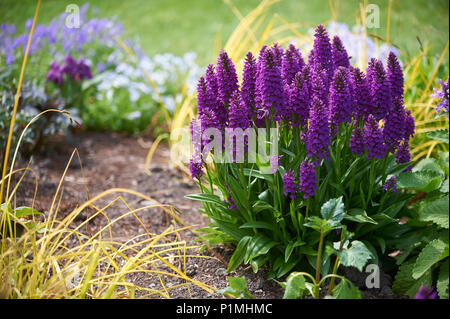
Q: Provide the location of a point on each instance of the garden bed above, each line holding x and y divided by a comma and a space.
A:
111, 160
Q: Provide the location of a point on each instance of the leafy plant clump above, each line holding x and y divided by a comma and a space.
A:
341, 134
424, 246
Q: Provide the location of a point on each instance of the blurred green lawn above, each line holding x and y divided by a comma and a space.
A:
179, 26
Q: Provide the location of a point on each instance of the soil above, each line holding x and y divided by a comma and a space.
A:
113, 160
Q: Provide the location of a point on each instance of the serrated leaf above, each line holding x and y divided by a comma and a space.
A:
428, 257
429, 164
333, 210
442, 283
405, 284
444, 187
436, 211
346, 290
424, 181
295, 286
356, 256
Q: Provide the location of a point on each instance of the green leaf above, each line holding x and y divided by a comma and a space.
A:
290, 247
404, 282
295, 286
424, 181
258, 174
444, 187
333, 210
319, 224
346, 290
238, 256
260, 224
430, 255
237, 288
436, 211
442, 282
259, 245
210, 198
439, 135
428, 164
356, 256
260, 205
359, 215
26, 211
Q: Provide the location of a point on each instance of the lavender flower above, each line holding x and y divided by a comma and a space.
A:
394, 125
248, 89
443, 95
231, 204
373, 138
77, 70
278, 54
239, 117
195, 168
361, 93
318, 136
308, 179
426, 293
357, 141
227, 81
323, 53
339, 54
409, 125
275, 162
269, 87
390, 185
289, 184
394, 77
299, 98
292, 63
403, 155
341, 99
379, 89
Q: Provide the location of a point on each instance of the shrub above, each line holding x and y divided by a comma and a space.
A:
327, 116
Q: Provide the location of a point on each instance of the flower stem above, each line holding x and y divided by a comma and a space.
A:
319, 258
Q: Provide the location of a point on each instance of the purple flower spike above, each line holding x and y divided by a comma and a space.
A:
227, 81
426, 293
323, 52
299, 98
195, 168
379, 89
341, 99
308, 179
403, 155
390, 185
409, 125
395, 77
340, 55
269, 87
289, 184
278, 53
394, 125
248, 89
374, 139
361, 93
318, 136
292, 64
357, 141
231, 204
